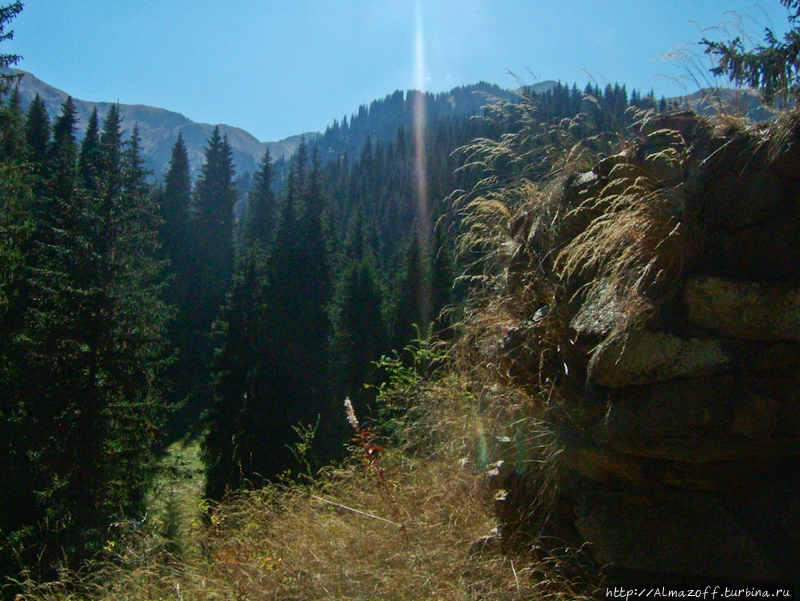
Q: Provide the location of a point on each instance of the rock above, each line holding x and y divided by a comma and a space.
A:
783, 386
748, 310
756, 418
716, 418
727, 476
600, 465
599, 313
739, 200
790, 520
766, 253
683, 533
775, 356
647, 357
663, 131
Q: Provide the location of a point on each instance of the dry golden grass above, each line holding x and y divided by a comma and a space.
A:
349, 534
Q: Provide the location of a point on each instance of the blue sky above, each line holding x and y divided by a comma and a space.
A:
281, 67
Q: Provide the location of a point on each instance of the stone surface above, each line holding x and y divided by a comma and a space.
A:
679, 440
762, 253
681, 533
599, 464
790, 520
747, 310
715, 418
647, 357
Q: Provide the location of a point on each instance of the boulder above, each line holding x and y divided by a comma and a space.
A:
646, 357
747, 310
681, 533
716, 418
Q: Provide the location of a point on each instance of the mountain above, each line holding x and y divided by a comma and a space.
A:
159, 129
381, 119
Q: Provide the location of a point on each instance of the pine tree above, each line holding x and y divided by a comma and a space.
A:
412, 307
92, 352
358, 333
37, 130
261, 214
62, 154
235, 448
7, 13
175, 201
89, 159
772, 68
12, 132
215, 196
442, 280
209, 270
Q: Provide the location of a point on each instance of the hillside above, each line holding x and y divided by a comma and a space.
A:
159, 129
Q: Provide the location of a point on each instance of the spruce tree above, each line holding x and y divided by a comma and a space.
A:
92, 353
174, 199
358, 336
261, 214
89, 160
37, 130
210, 267
411, 311
7, 13
215, 196
234, 450
175, 203
63, 153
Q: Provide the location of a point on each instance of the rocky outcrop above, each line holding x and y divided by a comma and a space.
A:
673, 394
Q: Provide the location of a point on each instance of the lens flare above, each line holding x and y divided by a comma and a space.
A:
420, 128
420, 158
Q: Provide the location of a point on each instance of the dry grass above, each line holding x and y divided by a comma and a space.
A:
349, 534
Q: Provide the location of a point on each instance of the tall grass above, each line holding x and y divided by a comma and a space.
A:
398, 520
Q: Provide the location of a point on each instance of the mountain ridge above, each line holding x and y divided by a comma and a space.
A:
159, 129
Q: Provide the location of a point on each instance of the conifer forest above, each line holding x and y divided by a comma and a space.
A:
239, 310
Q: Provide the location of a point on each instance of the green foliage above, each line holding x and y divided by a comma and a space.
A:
270, 369
411, 309
7, 13
215, 196
83, 353
261, 216
407, 377
773, 68
37, 130
358, 335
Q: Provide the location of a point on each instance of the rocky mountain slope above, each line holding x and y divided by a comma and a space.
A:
159, 128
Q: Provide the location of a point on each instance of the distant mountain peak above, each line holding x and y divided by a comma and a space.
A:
159, 129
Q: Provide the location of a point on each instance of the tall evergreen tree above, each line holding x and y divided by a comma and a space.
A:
16, 225
237, 422
215, 196
174, 199
442, 279
175, 202
262, 209
12, 132
358, 336
89, 160
63, 154
7, 13
411, 310
37, 130
211, 264
92, 355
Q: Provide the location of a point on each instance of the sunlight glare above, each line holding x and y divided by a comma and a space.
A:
420, 125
